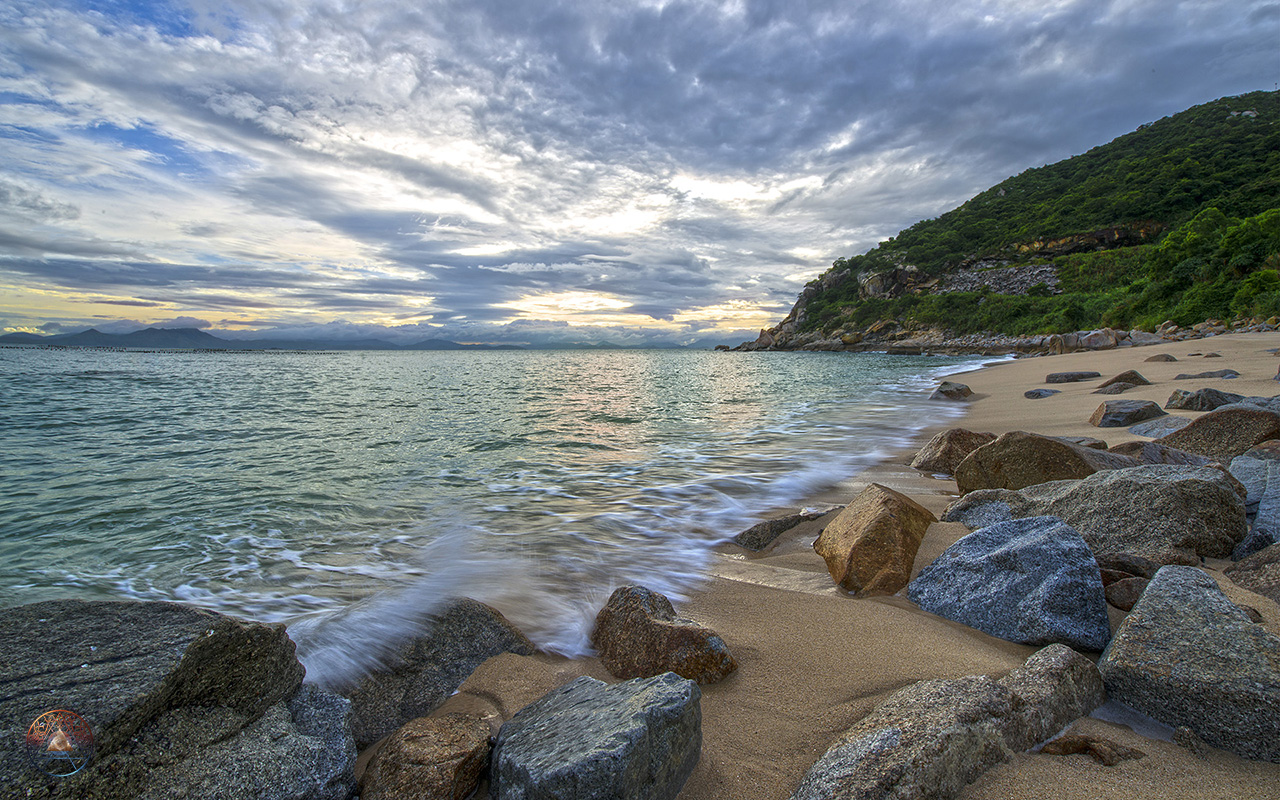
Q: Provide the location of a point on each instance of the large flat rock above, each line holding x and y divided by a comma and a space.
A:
1188, 656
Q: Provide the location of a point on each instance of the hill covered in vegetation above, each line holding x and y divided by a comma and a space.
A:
1178, 220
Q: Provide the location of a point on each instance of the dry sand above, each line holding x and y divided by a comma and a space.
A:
813, 660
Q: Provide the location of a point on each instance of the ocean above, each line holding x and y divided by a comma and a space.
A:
350, 494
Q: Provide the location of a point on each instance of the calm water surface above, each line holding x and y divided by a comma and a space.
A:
348, 493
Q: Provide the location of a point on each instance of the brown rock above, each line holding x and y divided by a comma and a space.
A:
1267, 451
1127, 562
1115, 388
1162, 357
1019, 459
1102, 750
1259, 572
1153, 453
1123, 413
950, 390
639, 635
1224, 434
1123, 594
1131, 377
1110, 576
870, 547
429, 757
944, 452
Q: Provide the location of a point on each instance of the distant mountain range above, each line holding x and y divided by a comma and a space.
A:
195, 339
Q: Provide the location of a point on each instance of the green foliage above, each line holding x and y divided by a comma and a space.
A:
1209, 179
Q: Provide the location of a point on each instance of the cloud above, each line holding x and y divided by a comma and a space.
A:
292, 163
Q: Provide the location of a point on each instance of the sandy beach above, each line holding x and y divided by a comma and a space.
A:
813, 660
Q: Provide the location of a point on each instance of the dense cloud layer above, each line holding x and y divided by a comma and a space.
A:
641, 170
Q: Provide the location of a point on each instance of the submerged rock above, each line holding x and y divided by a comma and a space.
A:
639, 635
1187, 655
637, 740
1032, 581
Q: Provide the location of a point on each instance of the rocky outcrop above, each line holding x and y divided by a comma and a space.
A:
179, 698
1167, 514
1259, 572
637, 740
1031, 581
944, 452
1226, 433
1123, 413
761, 535
1017, 459
929, 740
638, 635
1187, 655
437, 757
425, 670
869, 547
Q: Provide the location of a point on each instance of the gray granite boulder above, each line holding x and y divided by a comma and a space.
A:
1188, 656
1123, 413
1201, 399
1153, 453
1167, 514
637, 740
1031, 581
183, 702
428, 668
1017, 459
927, 741
1261, 479
1160, 426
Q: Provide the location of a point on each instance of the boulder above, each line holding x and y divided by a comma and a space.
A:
437, 757
761, 535
1160, 426
638, 635
637, 740
1115, 388
427, 669
870, 547
1224, 374
1123, 413
1153, 453
1187, 655
1102, 339
1226, 433
1031, 581
1128, 564
182, 702
1123, 594
1039, 394
950, 390
1259, 572
1161, 357
1131, 377
1261, 479
1071, 377
1084, 441
1206, 399
944, 452
1017, 459
930, 739
1167, 514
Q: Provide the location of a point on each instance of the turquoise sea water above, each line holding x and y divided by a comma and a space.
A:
350, 493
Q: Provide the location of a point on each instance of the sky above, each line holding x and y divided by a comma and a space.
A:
638, 172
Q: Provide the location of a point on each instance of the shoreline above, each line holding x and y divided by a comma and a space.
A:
813, 660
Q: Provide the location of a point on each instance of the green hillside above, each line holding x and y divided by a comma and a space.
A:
1186, 217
